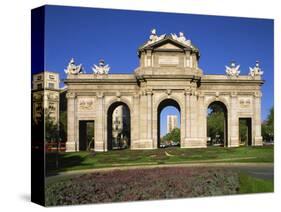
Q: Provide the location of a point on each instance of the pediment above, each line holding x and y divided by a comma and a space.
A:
168, 46
166, 43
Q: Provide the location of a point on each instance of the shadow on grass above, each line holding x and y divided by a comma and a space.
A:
58, 162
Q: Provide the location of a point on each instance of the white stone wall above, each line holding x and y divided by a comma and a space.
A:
143, 113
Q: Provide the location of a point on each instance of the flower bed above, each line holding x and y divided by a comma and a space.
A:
142, 184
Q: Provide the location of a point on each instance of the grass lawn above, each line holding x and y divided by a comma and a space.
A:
249, 184
87, 160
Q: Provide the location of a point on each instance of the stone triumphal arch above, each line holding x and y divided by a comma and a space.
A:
168, 74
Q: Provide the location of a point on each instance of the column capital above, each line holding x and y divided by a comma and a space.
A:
233, 94
194, 92
257, 94
149, 92
70, 95
187, 92
191, 91
136, 95
100, 95
200, 94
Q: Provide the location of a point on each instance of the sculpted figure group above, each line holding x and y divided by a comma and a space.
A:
234, 70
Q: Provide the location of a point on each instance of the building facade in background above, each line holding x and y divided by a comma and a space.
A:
172, 122
45, 95
120, 120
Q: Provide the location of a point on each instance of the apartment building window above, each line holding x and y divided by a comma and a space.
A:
52, 107
51, 76
39, 86
51, 85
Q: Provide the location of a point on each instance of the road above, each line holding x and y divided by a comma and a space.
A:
262, 172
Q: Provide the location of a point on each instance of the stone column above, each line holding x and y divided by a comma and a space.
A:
201, 119
187, 114
257, 140
193, 110
193, 114
149, 114
71, 144
135, 122
182, 118
100, 144
233, 122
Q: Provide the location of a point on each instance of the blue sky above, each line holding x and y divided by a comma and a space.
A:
169, 110
88, 34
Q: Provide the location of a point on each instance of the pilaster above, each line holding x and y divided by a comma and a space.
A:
201, 117
149, 114
233, 123
187, 94
71, 144
100, 144
135, 121
193, 107
193, 138
257, 140
149, 94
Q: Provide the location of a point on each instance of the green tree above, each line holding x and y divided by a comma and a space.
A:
166, 137
215, 123
52, 133
63, 126
175, 135
45, 125
268, 126
270, 119
243, 131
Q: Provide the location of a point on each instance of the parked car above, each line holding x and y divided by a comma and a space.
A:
162, 145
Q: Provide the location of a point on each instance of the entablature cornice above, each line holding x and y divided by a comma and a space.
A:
168, 77
231, 82
103, 81
105, 93
229, 93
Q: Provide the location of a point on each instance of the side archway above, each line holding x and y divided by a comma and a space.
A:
118, 126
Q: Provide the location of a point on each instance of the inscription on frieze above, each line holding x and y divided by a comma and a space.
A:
168, 60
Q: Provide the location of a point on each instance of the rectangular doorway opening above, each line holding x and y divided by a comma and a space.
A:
245, 131
86, 135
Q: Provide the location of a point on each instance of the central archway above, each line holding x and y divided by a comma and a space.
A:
163, 104
118, 126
